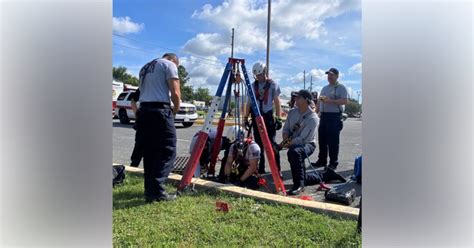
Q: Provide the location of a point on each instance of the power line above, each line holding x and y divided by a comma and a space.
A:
165, 48
148, 51
215, 63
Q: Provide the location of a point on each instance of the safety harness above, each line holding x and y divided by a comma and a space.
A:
238, 152
262, 94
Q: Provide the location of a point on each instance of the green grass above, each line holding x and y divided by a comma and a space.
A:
192, 221
201, 113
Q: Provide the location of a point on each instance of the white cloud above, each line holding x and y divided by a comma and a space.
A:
350, 82
356, 69
317, 74
286, 91
132, 72
291, 20
124, 25
351, 92
207, 44
203, 73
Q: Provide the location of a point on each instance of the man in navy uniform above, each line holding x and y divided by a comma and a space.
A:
156, 132
330, 107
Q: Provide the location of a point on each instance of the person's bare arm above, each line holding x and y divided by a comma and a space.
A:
276, 100
228, 165
250, 170
247, 111
133, 104
173, 84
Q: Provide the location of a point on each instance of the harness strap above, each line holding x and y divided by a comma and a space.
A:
262, 97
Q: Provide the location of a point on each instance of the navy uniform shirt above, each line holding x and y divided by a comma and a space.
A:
154, 78
333, 91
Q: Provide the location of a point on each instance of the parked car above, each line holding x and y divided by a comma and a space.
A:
186, 115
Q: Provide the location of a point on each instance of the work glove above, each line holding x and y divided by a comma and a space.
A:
278, 123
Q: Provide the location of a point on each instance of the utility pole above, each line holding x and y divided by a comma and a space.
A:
268, 36
358, 96
304, 79
232, 44
311, 84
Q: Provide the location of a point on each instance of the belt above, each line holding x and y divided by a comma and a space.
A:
331, 114
159, 105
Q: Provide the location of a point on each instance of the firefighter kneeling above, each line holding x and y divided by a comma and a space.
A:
299, 134
241, 164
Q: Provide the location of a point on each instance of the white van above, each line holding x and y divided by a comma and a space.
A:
186, 115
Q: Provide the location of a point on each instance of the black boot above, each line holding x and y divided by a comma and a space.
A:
330, 175
161, 197
319, 163
296, 190
333, 165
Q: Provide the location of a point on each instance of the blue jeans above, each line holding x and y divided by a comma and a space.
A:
156, 135
296, 156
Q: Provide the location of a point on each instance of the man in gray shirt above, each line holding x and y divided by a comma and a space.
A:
300, 130
156, 133
330, 107
267, 93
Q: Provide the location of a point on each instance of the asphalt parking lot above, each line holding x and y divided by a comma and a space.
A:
350, 147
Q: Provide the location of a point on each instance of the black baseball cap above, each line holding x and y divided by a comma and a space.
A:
306, 95
294, 93
333, 71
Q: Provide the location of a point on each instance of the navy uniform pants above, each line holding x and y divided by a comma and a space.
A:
296, 156
156, 136
270, 126
329, 130
137, 153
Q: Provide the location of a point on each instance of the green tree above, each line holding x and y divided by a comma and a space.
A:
187, 93
120, 74
202, 94
353, 107
183, 76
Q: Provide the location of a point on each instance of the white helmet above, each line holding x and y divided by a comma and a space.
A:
234, 132
258, 68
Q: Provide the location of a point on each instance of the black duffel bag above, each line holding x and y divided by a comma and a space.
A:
341, 193
313, 177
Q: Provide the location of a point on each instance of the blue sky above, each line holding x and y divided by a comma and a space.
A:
306, 35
